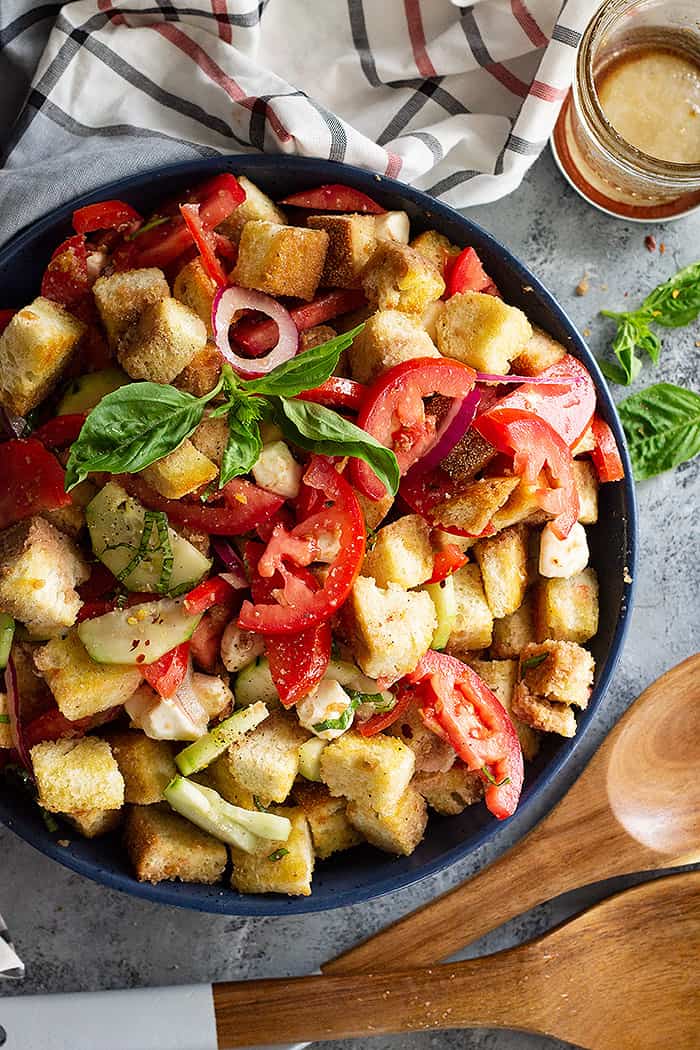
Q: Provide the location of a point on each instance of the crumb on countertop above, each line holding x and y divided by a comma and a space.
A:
586, 332
583, 286
662, 248
650, 242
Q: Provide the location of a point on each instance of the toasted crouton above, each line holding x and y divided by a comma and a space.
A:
5, 731
146, 765
282, 867
257, 205
391, 628
34, 694
482, 331
316, 336
194, 287
163, 341
473, 624
512, 633
201, 375
429, 318
522, 505
331, 830
433, 754
503, 563
388, 338
567, 609
399, 278
162, 845
543, 715
351, 243
501, 676
442, 539
401, 553
540, 352
450, 792
469, 456
474, 504
71, 519
92, 823
374, 511
122, 297
80, 686
266, 760
73, 775
398, 829
561, 672
39, 570
211, 438
374, 770
219, 777
34, 348
435, 247
180, 472
587, 488
586, 443
280, 260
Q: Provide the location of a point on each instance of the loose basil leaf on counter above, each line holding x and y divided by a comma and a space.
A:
676, 302
244, 443
662, 424
305, 371
319, 429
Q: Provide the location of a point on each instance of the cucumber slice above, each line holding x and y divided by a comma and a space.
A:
138, 635
348, 674
445, 601
208, 810
116, 523
85, 392
7, 633
208, 748
254, 682
310, 758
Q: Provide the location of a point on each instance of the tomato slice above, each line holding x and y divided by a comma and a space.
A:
60, 431
297, 606
393, 412
337, 392
464, 273
33, 481
458, 706
65, 279
52, 725
257, 337
334, 196
383, 719
605, 455
205, 643
447, 561
206, 243
424, 491
247, 506
535, 446
215, 591
167, 674
568, 408
5, 318
105, 215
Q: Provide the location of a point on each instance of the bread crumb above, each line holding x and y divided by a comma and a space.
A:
662, 248
586, 332
583, 286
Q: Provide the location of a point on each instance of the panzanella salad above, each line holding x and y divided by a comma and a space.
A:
293, 541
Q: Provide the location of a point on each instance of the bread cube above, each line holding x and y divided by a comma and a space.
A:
586, 443
219, 777
399, 278
201, 375
266, 760
34, 694
587, 487
503, 562
122, 297
513, 632
72, 775
194, 287
80, 686
429, 318
398, 829
34, 349
146, 765
474, 504
163, 845
210, 438
374, 511
473, 625
522, 505
374, 770
450, 792
501, 676
543, 715
468, 457
92, 823
433, 754
162, 342
539, 353
280, 260
5, 732
388, 338
435, 247
71, 519
482, 331
331, 830
351, 243
317, 336
257, 205
391, 628
561, 672
180, 472
400, 553
282, 867
442, 539
567, 609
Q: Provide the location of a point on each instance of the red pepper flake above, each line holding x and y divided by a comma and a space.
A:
140, 658
662, 248
650, 242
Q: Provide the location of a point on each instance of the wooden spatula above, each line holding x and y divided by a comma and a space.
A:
621, 976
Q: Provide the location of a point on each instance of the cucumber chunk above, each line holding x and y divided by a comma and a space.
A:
445, 601
254, 682
85, 392
7, 633
138, 635
209, 811
349, 675
310, 758
208, 748
116, 522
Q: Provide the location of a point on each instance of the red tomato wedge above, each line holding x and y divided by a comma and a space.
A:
338, 393
60, 431
167, 674
605, 455
247, 506
52, 725
447, 561
464, 273
423, 492
535, 446
206, 243
5, 318
105, 215
215, 591
65, 279
458, 706
205, 643
33, 481
339, 525
568, 408
383, 719
393, 412
334, 197
257, 337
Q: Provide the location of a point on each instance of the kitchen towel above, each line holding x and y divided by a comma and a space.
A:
457, 98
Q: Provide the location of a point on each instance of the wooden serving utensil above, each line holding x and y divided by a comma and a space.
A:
620, 976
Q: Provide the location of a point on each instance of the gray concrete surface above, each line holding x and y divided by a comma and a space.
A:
75, 935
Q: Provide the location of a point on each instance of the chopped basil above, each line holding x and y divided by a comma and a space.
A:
49, 820
155, 220
533, 661
258, 804
341, 723
378, 702
278, 854
4, 720
491, 778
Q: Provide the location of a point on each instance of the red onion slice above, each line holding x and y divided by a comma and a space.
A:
187, 700
488, 377
227, 302
13, 710
236, 570
457, 421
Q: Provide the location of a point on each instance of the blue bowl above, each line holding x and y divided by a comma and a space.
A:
362, 873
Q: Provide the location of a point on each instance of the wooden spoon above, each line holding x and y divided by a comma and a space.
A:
635, 808
621, 976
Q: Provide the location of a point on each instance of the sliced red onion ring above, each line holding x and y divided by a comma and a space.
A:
11, 426
188, 701
487, 377
454, 427
226, 303
13, 710
236, 570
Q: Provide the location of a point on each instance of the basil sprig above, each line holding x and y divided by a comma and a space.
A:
140, 423
662, 424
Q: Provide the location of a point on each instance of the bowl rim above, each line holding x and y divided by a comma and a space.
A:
227, 901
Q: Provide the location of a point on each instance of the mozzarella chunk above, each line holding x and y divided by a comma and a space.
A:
392, 225
239, 647
563, 558
277, 470
328, 701
162, 719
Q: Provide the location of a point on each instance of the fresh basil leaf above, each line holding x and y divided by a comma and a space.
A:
278, 854
133, 427
304, 371
624, 347
676, 302
319, 429
244, 442
662, 424
376, 700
